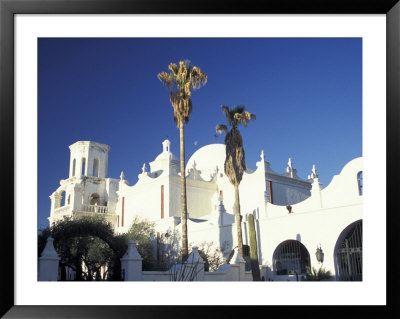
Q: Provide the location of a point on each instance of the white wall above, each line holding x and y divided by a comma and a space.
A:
143, 200
312, 222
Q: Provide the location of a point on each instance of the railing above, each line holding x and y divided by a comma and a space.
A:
95, 209
61, 210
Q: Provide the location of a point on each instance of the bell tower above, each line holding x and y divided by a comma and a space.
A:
87, 188
88, 159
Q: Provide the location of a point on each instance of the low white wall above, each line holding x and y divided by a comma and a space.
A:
229, 273
156, 276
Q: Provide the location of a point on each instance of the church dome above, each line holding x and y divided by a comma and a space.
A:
207, 158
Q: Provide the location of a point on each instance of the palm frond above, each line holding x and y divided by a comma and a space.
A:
197, 78
236, 115
181, 79
186, 90
182, 107
166, 79
182, 75
235, 163
238, 109
221, 128
173, 68
225, 109
244, 118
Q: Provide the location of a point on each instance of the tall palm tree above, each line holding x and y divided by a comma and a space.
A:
235, 164
180, 81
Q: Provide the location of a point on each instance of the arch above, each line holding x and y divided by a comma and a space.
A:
348, 253
94, 199
291, 257
73, 167
66, 230
83, 166
96, 167
63, 200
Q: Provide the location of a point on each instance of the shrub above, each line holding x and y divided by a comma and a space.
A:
318, 275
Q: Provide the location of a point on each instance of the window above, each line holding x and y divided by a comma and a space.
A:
96, 167
360, 183
291, 257
63, 200
73, 167
83, 166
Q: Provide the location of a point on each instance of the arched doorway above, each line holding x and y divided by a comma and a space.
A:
291, 257
348, 253
94, 199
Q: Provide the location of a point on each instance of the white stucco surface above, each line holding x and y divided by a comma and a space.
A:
317, 217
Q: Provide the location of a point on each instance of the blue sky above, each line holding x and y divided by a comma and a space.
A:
306, 94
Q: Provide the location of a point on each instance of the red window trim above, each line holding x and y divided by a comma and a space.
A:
162, 201
271, 198
123, 209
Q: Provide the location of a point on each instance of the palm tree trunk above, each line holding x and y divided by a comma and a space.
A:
185, 250
238, 220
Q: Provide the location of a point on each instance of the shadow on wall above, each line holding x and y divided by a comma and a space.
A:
259, 247
225, 240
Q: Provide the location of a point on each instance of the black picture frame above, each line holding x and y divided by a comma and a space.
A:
8, 8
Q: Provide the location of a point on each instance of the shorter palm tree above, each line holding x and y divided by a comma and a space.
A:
235, 163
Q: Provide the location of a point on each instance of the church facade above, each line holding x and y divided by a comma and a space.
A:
295, 219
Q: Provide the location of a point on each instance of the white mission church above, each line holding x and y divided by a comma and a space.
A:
293, 217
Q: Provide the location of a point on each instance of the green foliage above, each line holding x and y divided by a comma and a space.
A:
91, 242
143, 233
96, 253
42, 239
255, 269
213, 256
170, 252
317, 275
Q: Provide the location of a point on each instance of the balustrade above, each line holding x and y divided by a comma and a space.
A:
95, 209
61, 210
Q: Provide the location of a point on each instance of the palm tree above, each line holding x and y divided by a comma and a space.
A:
235, 164
180, 81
